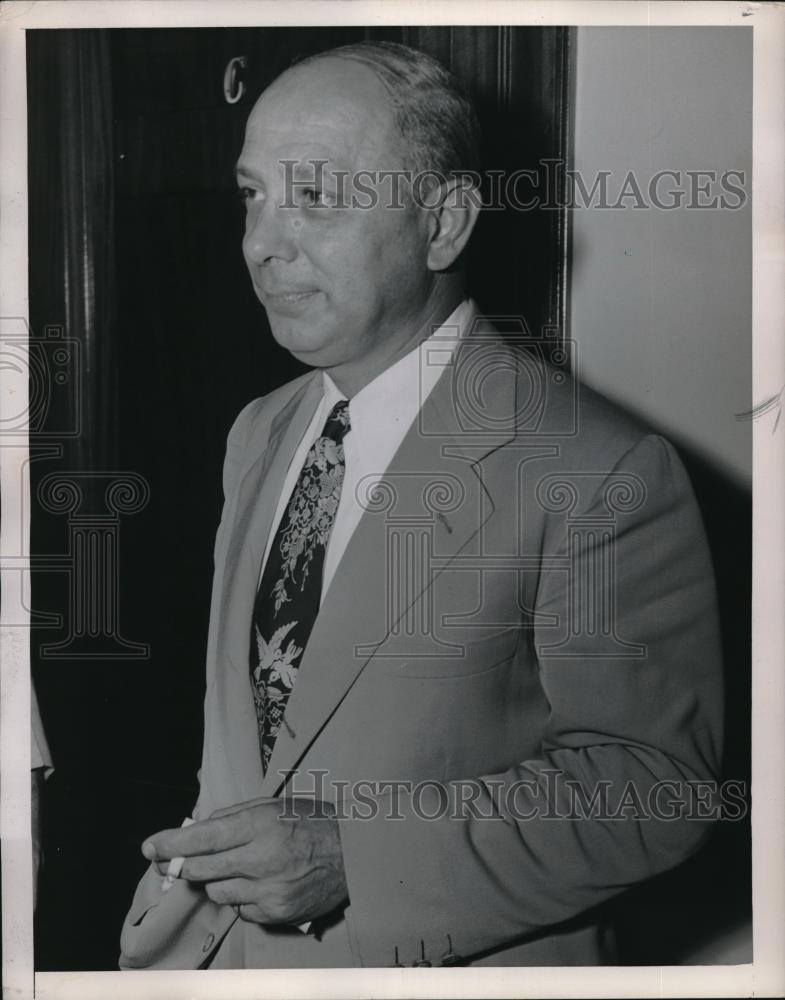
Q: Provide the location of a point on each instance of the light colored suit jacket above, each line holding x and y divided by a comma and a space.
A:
525, 614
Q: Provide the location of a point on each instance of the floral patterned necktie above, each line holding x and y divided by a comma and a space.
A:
289, 595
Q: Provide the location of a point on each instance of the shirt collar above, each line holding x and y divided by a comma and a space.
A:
396, 395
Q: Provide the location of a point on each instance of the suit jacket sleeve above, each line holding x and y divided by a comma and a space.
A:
641, 728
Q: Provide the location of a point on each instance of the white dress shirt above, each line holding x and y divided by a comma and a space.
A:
379, 416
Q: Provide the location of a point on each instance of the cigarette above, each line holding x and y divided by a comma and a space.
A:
175, 865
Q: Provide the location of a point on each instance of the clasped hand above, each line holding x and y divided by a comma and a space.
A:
278, 860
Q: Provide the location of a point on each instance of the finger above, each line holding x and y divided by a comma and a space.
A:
264, 800
162, 846
231, 892
234, 863
254, 914
207, 837
271, 908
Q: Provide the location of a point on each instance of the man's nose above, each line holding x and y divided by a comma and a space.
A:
270, 234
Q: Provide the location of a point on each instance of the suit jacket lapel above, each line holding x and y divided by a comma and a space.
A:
433, 483
257, 496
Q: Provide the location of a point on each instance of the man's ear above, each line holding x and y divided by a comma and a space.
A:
454, 214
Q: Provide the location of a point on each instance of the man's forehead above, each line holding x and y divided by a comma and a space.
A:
332, 109
327, 80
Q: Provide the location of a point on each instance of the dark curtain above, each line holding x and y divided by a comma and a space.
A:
72, 238
75, 515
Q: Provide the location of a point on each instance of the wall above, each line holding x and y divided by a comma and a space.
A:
661, 300
661, 313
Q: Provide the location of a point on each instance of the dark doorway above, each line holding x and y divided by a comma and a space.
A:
135, 262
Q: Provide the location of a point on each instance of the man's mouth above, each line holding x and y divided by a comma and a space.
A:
289, 298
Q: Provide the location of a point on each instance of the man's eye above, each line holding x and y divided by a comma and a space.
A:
315, 198
247, 195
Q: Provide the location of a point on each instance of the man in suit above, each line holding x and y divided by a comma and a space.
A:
463, 673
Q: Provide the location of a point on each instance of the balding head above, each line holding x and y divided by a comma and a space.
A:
342, 109
433, 114
345, 282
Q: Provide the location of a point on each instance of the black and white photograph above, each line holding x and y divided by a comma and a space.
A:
389, 605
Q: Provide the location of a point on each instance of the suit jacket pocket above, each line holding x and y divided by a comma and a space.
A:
179, 929
466, 655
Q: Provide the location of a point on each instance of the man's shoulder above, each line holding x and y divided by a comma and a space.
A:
551, 405
589, 426
264, 409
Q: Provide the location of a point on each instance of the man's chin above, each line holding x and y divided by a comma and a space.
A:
305, 343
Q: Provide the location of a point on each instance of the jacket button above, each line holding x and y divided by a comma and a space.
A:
450, 957
422, 962
208, 942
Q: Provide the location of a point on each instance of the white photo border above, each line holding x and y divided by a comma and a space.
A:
766, 975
